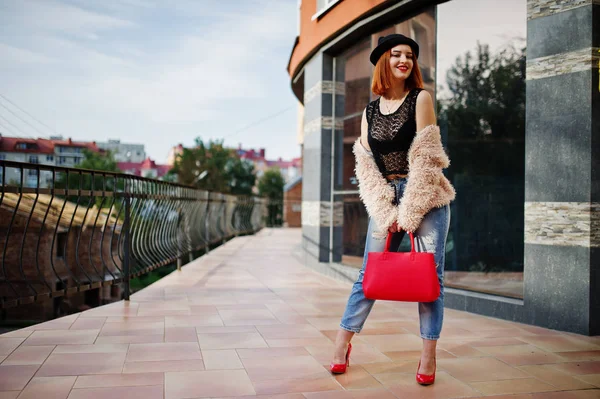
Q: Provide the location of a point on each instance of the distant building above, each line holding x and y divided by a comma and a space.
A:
173, 153
292, 203
147, 168
54, 151
124, 152
289, 169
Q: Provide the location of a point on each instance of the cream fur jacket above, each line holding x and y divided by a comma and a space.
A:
426, 186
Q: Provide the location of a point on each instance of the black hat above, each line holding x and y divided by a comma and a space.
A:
387, 42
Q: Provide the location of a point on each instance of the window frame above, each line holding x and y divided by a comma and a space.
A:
329, 4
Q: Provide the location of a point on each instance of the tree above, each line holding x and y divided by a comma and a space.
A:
93, 161
214, 167
271, 186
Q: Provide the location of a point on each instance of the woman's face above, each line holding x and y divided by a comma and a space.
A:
401, 61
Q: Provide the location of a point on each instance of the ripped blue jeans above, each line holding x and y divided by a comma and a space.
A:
429, 237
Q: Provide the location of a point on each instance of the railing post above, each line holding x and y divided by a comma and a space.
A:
127, 244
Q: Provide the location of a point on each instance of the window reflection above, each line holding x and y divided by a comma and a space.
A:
481, 110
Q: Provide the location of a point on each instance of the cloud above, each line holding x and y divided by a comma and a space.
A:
124, 63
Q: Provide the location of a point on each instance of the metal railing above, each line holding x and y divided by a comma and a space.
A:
66, 230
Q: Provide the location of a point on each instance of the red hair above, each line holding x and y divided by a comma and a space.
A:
383, 78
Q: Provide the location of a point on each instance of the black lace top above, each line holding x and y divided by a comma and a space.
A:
390, 136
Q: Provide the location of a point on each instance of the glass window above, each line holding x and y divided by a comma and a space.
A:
33, 159
481, 110
323, 5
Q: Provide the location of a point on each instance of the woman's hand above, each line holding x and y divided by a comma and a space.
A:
393, 228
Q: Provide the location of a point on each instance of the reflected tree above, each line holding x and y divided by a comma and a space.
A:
483, 119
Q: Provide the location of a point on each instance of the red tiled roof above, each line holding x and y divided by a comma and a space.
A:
136, 168
42, 146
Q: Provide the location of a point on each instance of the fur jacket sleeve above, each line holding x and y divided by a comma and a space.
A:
426, 187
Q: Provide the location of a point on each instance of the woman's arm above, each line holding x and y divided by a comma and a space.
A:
364, 131
425, 112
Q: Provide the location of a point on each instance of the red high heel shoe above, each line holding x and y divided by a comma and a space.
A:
341, 368
425, 379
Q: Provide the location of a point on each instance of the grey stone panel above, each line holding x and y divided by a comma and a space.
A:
559, 95
557, 283
310, 241
339, 159
311, 173
326, 104
595, 291
324, 244
560, 33
595, 142
557, 159
313, 71
313, 109
325, 183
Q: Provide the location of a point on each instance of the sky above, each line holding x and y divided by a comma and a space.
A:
154, 72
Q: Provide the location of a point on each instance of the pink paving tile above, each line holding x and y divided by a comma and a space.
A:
132, 328
587, 394
14, 378
480, 369
445, 387
88, 323
355, 394
226, 329
208, 320
9, 394
580, 355
285, 367
96, 348
7, 345
146, 392
21, 333
163, 351
62, 323
393, 342
555, 378
247, 315
262, 353
291, 342
560, 343
579, 368
58, 337
48, 388
136, 319
28, 355
289, 331
130, 339
204, 384
119, 380
181, 334
505, 387
231, 341
358, 378
518, 355
163, 366
271, 387
81, 364
226, 359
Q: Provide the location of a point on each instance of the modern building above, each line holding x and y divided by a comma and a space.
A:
147, 168
517, 95
124, 152
53, 151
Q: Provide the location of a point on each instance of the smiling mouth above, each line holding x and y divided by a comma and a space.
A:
403, 69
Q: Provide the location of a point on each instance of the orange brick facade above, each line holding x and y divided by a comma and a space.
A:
315, 33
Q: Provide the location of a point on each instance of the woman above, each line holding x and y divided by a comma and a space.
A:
399, 162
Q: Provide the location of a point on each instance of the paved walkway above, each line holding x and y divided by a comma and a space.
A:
249, 320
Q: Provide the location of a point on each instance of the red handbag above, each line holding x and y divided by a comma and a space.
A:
401, 276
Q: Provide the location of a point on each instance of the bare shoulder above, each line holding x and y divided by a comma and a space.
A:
364, 130
425, 114
424, 98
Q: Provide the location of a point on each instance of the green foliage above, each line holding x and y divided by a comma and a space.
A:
215, 168
93, 161
484, 118
270, 186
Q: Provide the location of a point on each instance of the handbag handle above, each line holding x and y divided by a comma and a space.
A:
388, 242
